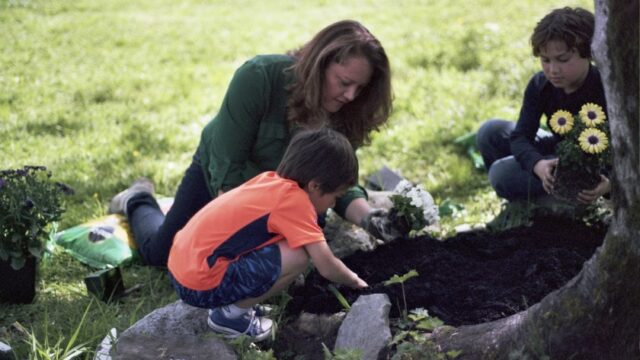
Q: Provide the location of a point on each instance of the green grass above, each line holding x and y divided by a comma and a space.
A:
103, 92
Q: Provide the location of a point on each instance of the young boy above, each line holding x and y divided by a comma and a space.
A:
520, 157
250, 243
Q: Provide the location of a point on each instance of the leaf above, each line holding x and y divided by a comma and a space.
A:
17, 263
449, 208
340, 297
429, 323
395, 279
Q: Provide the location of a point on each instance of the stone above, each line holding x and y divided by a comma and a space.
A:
345, 238
176, 331
366, 326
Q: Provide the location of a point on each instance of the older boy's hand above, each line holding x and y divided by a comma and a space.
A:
589, 196
378, 224
544, 170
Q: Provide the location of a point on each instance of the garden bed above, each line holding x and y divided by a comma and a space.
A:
470, 278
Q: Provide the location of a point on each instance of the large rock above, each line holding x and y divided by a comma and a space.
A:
176, 331
366, 326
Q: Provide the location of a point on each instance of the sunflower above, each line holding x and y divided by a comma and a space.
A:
561, 122
592, 114
593, 141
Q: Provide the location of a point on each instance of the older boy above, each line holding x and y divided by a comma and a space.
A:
520, 157
251, 242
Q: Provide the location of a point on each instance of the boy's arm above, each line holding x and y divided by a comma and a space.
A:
523, 135
332, 268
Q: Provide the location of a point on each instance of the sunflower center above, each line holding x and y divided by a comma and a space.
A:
593, 140
562, 121
592, 115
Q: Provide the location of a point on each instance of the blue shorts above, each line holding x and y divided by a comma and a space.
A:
250, 276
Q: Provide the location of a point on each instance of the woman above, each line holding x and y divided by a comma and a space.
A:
340, 79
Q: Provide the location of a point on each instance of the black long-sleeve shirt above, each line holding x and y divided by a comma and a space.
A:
541, 97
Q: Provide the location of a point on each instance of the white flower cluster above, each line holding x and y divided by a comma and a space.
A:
420, 198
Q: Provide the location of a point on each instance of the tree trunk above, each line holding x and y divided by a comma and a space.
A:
596, 315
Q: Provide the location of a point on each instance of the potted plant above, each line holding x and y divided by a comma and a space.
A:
30, 204
583, 153
413, 207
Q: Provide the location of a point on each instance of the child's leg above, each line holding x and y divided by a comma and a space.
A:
293, 262
236, 319
492, 140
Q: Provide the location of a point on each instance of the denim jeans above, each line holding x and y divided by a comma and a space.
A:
152, 231
506, 176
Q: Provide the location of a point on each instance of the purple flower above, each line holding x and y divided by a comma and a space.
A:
28, 204
2, 182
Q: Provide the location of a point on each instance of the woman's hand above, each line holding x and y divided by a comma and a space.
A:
589, 196
544, 170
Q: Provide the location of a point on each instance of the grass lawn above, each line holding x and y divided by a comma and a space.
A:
102, 92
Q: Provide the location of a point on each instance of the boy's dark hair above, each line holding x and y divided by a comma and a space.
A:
572, 26
324, 155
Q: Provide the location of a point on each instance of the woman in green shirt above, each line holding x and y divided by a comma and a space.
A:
340, 79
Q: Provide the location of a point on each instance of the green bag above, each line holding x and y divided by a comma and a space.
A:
101, 243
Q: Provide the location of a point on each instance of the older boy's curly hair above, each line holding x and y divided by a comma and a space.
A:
573, 26
335, 44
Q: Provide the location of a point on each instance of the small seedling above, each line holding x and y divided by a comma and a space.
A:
395, 279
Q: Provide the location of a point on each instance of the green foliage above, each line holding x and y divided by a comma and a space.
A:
341, 354
395, 279
58, 351
30, 201
412, 339
247, 350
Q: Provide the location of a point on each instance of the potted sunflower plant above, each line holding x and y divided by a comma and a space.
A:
30, 205
583, 153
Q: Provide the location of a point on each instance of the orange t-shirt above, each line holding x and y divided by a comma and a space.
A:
262, 211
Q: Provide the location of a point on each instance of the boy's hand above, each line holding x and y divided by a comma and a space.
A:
378, 224
544, 170
359, 284
589, 196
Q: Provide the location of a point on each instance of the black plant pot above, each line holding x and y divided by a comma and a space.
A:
18, 286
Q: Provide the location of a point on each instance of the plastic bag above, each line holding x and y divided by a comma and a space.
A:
100, 243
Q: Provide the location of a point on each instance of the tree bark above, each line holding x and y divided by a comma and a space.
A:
596, 315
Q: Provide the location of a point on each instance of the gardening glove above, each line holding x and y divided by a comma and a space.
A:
379, 225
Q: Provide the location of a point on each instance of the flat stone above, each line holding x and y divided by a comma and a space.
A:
366, 326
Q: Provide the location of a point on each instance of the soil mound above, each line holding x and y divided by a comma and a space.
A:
470, 278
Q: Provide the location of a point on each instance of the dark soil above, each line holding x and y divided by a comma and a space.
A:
470, 278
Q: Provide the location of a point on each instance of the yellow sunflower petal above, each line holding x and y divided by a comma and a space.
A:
592, 114
561, 122
593, 141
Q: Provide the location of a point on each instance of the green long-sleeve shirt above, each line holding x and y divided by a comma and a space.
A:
249, 135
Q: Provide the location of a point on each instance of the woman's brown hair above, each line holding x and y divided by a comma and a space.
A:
336, 43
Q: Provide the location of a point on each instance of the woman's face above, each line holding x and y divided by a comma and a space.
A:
344, 81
